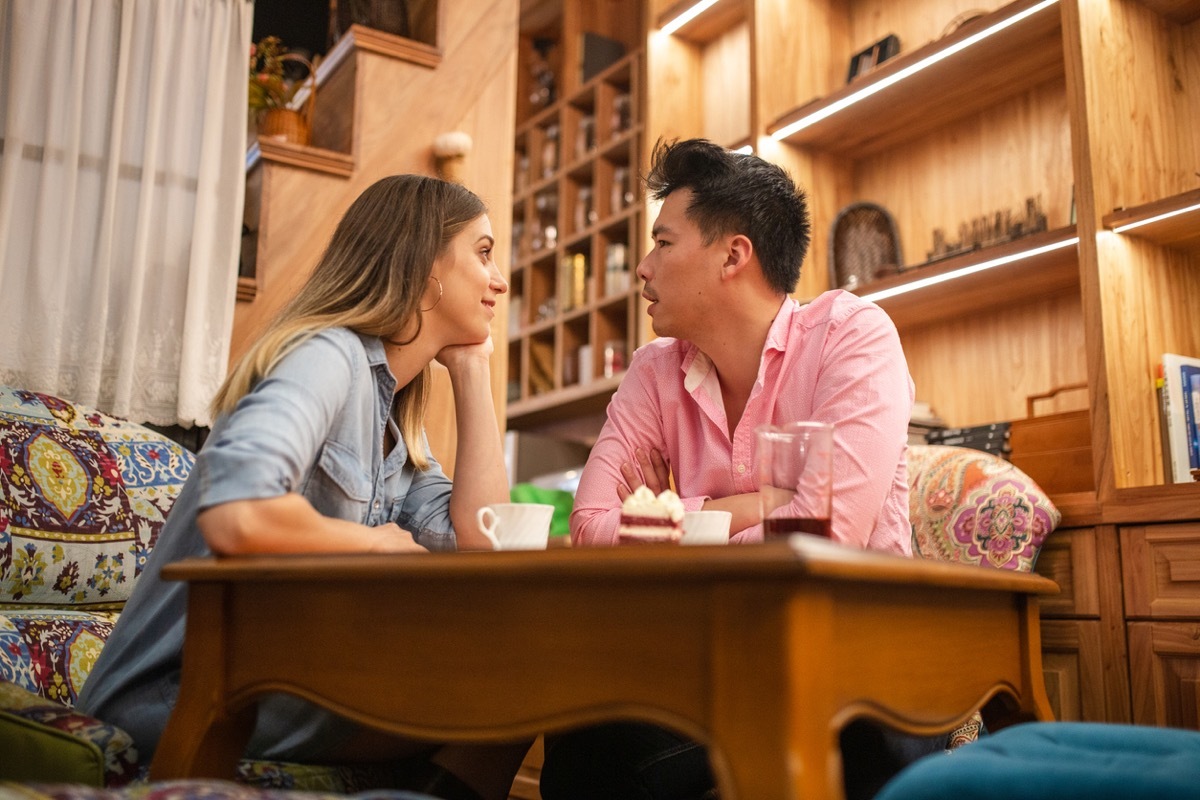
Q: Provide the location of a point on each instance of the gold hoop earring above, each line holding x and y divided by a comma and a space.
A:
441, 291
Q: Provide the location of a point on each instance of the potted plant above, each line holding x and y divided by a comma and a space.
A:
271, 92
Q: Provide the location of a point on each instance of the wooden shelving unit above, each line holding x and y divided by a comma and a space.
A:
1035, 266
1088, 107
1172, 221
577, 237
904, 99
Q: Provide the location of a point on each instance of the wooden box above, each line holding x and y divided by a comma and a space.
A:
1055, 449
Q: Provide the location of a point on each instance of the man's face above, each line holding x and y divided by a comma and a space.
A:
680, 271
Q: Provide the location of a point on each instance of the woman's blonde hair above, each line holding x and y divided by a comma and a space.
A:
370, 279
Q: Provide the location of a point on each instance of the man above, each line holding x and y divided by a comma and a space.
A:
735, 352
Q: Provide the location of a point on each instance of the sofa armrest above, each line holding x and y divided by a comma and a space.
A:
43, 740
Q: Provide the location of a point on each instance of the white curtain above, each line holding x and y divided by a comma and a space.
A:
122, 153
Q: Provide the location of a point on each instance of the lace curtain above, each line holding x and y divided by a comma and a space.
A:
122, 152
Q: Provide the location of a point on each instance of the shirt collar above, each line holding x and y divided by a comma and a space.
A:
696, 365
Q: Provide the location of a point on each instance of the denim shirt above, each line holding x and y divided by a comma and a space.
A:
314, 425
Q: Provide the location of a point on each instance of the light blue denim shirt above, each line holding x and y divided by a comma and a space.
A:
315, 425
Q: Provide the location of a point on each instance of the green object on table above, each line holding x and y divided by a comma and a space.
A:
561, 500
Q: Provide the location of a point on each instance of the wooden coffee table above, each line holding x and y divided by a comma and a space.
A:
763, 651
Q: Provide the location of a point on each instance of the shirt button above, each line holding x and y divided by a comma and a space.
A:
376, 505
741, 469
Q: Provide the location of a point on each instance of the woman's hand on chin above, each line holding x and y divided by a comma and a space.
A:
455, 355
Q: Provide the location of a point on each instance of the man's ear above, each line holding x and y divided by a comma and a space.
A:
739, 253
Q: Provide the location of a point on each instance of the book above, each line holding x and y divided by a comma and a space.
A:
1175, 413
1190, 386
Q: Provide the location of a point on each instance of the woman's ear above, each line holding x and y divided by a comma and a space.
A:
739, 252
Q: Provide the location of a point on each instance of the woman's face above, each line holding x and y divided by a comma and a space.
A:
471, 283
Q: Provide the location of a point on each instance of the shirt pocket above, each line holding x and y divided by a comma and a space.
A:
342, 488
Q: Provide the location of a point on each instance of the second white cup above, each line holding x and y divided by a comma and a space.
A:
706, 527
516, 526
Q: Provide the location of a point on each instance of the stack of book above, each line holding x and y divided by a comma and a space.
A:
922, 421
990, 438
1178, 387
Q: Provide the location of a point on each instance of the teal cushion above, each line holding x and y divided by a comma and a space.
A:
1059, 761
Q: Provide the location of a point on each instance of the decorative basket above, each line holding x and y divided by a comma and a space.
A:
290, 124
864, 245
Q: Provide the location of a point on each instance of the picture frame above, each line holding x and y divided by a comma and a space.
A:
866, 60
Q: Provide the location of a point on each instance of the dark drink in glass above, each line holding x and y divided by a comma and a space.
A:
778, 527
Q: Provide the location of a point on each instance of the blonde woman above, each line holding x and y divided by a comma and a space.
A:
318, 446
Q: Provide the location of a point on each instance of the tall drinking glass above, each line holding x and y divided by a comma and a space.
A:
795, 478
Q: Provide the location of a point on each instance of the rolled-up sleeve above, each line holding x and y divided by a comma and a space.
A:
425, 510
634, 421
264, 447
867, 393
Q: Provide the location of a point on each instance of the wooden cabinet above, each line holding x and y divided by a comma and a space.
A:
1121, 642
1083, 627
577, 227
1162, 602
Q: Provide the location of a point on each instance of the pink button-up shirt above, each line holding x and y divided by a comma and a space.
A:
837, 359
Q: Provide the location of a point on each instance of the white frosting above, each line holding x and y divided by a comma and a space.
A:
643, 503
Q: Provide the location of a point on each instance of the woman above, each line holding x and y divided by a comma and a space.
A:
318, 446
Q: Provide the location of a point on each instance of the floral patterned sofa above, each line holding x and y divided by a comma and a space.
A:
83, 496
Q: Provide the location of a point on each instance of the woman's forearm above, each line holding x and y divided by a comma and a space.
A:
289, 524
479, 476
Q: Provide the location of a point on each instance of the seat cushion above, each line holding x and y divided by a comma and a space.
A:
1059, 761
971, 507
45, 740
83, 496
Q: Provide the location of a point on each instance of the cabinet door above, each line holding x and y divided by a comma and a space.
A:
1068, 558
1164, 664
1081, 682
1161, 564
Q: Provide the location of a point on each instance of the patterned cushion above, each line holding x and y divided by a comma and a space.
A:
196, 789
971, 507
50, 652
83, 496
45, 740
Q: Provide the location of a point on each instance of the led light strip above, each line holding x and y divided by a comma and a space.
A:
687, 16
907, 72
923, 283
1167, 215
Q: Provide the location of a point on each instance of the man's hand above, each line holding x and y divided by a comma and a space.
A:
647, 469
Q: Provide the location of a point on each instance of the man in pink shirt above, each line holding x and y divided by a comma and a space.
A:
735, 352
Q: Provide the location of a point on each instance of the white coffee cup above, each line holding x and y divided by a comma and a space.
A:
516, 526
706, 527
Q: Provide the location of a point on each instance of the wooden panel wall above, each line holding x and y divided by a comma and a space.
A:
401, 107
986, 163
1138, 98
980, 369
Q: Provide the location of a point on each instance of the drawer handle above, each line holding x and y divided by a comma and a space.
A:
1182, 571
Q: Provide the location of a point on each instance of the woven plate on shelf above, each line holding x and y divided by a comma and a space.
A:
864, 245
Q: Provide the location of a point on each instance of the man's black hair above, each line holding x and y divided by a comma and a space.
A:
737, 193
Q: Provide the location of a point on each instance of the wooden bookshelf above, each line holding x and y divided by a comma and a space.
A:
900, 102
1172, 221
1025, 278
575, 218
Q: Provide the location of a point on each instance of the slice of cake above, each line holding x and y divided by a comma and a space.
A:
646, 518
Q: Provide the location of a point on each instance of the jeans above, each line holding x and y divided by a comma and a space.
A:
638, 761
